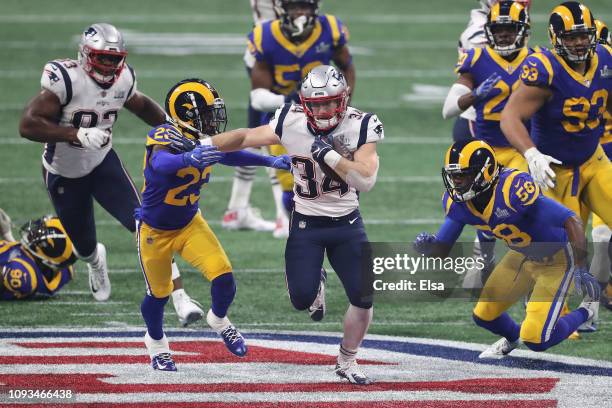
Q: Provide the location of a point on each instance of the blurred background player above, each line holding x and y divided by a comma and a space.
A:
73, 115
487, 77
330, 172
176, 168
601, 265
284, 51
41, 264
546, 241
564, 91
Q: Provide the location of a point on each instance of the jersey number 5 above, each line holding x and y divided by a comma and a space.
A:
307, 173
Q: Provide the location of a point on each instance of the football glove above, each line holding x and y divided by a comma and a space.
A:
486, 87
423, 241
320, 147
203, 156
280, 162
180, 143
93, 138
586, 284
539, 167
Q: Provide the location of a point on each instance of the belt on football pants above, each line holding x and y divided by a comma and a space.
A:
326, 222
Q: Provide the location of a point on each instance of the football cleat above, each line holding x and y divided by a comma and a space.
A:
187, 310
99, 283
352, 372
317, 309
500, 349
281, 229
590, 325
247, 218
231, 336
163, 362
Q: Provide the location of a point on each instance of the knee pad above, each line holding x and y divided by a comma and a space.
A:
302, 300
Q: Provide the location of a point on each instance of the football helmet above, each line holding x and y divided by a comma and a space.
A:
324, 95
569, 22
505, 18
470, 168
195, 106
102, 52
297, 24
603, 34
46, 239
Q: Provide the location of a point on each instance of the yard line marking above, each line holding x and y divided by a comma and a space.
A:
73, 303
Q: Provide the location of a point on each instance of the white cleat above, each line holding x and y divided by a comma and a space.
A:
591, 323
187, 310
500, 349
247, 218
352, 372
99, 283
281, 229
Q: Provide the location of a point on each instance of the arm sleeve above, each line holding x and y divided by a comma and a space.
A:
450, 231
166, 163
245, 158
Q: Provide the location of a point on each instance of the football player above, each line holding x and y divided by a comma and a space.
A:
176, 167
73, 115
565, 92
41, 264
333, 152
487, 77
546, 241
284, 50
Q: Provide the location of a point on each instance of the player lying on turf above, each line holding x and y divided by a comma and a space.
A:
176, 168
546, 241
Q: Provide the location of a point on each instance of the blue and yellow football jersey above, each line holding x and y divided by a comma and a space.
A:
570, 125
481, 63
22, 277
514, 215
606, 139
169, 201
290, 62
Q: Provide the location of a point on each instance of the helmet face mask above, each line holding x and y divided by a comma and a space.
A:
507, 27
102, 53
46, 240
297, 17
470, 169
195, 107
572, 32
324, 95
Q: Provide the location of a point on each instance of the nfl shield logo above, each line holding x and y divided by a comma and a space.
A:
302, 224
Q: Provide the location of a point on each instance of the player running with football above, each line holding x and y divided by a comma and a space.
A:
546, 241
333, 153
73, 115
169, 221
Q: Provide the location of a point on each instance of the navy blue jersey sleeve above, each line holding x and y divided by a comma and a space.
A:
549, 212
450, 231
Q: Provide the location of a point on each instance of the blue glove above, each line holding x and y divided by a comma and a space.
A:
486, 87
280, 162
586, 284
423, 241
320, 147
202, 157
178, 142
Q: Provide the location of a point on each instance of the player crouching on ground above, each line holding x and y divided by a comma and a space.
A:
41, 264
546, 241
176, 167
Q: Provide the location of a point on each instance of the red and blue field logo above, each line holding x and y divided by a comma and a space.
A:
110, 368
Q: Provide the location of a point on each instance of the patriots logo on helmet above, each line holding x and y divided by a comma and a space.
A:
90, 32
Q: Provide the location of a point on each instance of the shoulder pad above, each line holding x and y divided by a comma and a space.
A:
20, 277
375, 131
519, 191
56, 78
467, 60
161, 135
338, 30
537, 70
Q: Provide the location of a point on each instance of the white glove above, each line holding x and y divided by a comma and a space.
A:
539, 167
5, 227
93, 138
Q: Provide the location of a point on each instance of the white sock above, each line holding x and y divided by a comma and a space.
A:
155, 347
600, 264
241, 193
345, 356
175, 271
218, 324
277, 191
177, 295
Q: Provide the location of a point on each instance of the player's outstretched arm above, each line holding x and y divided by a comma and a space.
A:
239, 139
441, 243
246, 158
40, 118
146, 109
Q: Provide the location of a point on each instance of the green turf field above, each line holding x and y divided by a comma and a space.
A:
402, 48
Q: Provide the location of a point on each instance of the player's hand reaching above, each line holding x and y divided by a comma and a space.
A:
320, 147
486, 87
280, 162
203, 156
539, 167
586, 284
423, 242
93, 138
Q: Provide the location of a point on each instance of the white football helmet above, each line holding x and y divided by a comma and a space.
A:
102, 52
324, 95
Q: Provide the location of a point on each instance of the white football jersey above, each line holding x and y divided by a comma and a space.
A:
314, 192
473, 37
84, 104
